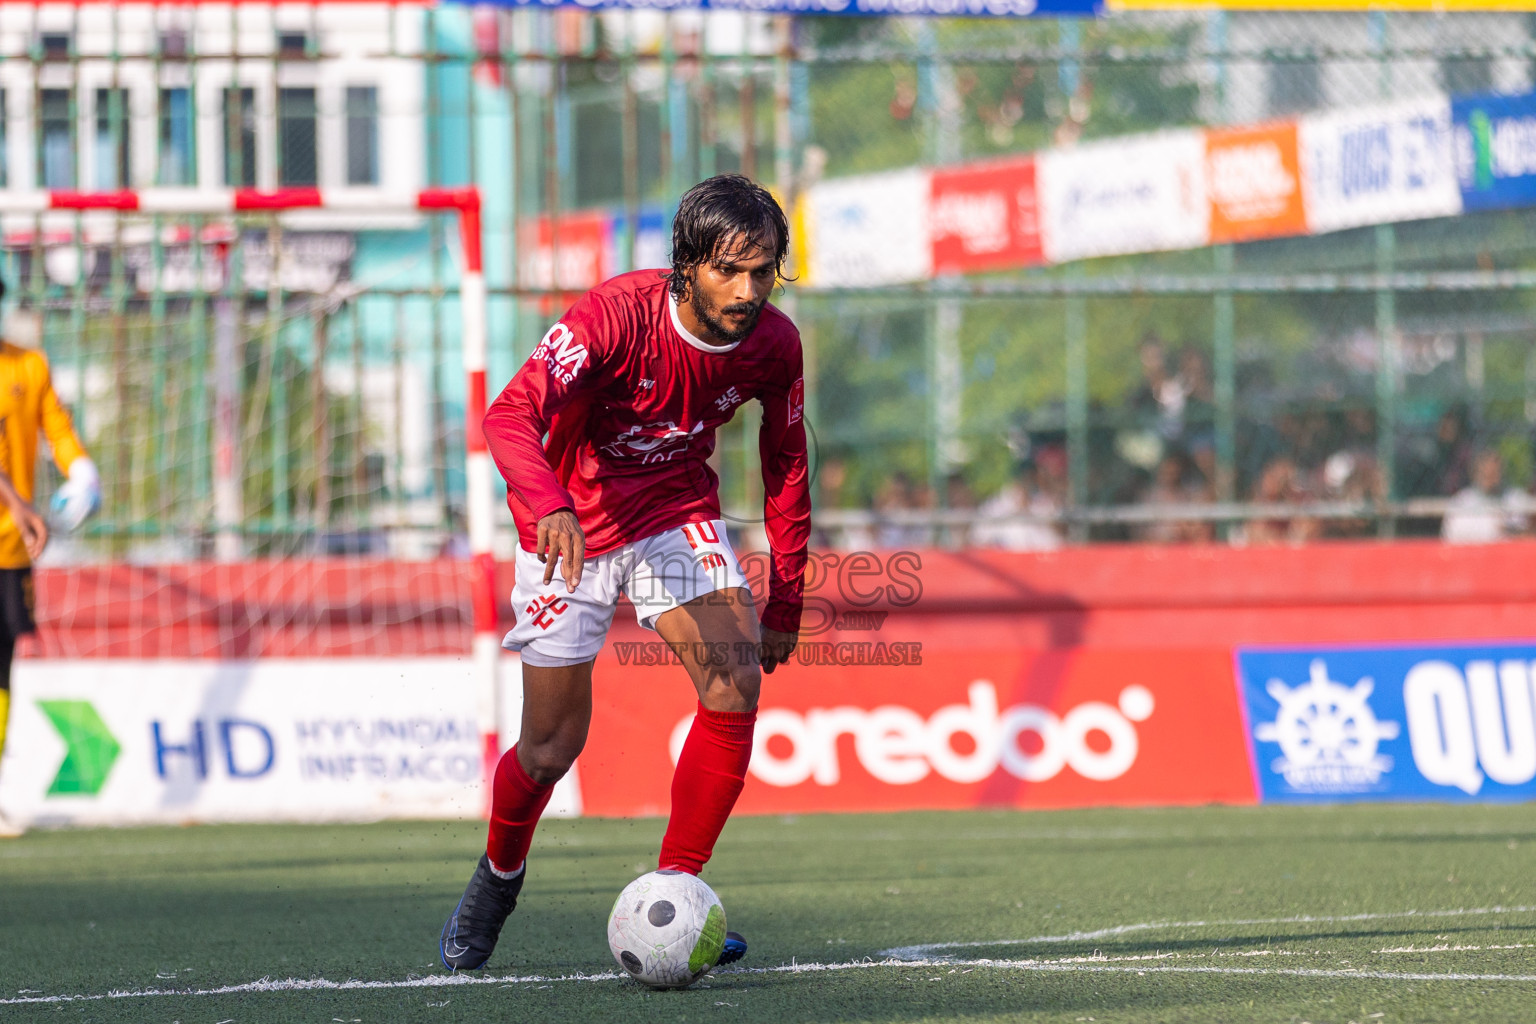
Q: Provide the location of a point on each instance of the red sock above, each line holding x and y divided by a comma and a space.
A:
516, 803
709, 776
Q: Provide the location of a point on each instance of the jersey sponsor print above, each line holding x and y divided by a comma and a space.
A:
630, 402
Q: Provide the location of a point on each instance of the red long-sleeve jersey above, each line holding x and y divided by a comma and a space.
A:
631, 401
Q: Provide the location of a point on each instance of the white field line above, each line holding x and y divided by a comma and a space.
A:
930, 949
450, 981
910, 957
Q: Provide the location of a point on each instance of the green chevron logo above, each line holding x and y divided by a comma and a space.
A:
91, 747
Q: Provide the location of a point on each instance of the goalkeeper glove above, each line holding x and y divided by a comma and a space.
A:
80, 496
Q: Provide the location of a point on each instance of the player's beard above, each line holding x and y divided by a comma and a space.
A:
714, 317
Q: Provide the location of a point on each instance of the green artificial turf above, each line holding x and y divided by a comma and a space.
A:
185, 911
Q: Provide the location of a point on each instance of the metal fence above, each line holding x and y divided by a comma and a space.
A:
1341, 384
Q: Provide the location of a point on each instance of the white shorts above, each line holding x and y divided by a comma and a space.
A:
658, 573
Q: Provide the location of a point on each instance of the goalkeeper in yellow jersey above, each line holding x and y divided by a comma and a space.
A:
28, 405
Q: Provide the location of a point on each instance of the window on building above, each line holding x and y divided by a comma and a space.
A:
176, 165
56, 139
1466, 76
173, 43
1295, 86
240, 137
292, 45
112, 146
296, 124
362, 135
55, 45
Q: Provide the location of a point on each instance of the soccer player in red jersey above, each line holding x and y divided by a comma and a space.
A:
630, 386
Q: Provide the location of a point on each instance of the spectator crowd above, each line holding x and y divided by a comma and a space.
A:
1307, 472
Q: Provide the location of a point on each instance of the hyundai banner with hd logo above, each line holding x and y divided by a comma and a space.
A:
128, 742
1387, 723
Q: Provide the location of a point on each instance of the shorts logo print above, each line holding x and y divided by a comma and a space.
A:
543, 610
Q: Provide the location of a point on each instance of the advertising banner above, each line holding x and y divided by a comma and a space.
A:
1314, 6
653, 240
868, 230
1141, 194
1254, 178
889, 724
985, 217
1495, 145
940, 8
124, 742
573, 251
1377, 165
1451, 723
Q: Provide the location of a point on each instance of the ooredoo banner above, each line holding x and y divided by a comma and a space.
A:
1495, 145
1454, 723
125, 742
1254, 179
985, 217
868, 230
1140, 194
1377, 165
902, 726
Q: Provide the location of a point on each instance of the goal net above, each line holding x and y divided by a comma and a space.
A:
284, 409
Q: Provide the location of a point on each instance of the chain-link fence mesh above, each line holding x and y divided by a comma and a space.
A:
1157, 276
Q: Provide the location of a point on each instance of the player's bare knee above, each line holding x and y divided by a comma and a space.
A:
547, 763
734, 689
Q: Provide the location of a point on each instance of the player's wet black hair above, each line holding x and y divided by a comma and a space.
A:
717, 210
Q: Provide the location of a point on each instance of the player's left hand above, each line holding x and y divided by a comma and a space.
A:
776, 648
80, 496
34, 529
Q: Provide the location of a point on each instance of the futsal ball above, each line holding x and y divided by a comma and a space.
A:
667, 929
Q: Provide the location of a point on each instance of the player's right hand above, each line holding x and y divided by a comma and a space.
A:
80, 496
561, 540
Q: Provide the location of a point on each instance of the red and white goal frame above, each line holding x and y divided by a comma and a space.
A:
464, 203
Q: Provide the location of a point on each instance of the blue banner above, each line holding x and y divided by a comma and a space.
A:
1454, 723
1495, 144
872, 8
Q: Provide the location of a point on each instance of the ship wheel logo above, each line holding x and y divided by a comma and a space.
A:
1328, 734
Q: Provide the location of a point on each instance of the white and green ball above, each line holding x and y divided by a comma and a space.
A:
667, 929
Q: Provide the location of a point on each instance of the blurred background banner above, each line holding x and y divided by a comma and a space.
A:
885, 8
1495, 145
1123, 196
985, 217
1324, 6
1378, 165
1254, 181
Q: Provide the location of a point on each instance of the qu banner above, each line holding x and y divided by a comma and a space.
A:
1449, 723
